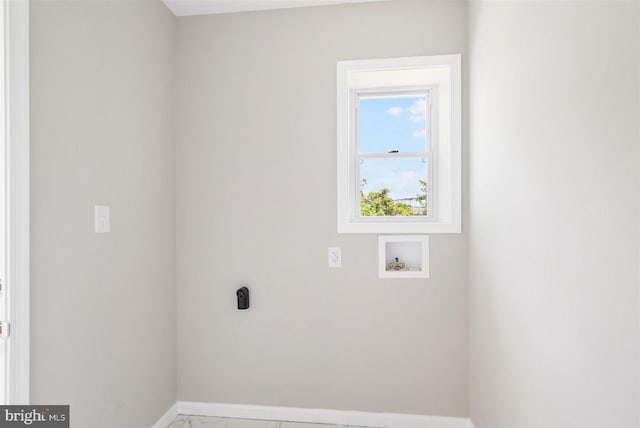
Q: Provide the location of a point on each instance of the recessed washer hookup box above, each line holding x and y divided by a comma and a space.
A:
34, 416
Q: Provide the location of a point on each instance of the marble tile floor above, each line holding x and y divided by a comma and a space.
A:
185, 421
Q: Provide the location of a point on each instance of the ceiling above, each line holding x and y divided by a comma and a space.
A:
207, 7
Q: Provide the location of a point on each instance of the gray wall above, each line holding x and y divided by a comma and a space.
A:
256, 180
103, 320
553, 244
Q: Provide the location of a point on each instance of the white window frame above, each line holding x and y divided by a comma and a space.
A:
448, 215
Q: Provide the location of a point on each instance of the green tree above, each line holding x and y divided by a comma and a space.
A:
422, 197
380, 204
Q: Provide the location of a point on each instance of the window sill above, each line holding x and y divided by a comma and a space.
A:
383, 228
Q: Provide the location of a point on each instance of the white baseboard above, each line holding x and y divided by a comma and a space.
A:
167, 418
322, 416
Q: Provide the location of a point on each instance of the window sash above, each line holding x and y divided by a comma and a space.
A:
427, 155
379, 93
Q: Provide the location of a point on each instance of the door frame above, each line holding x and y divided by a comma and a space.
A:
16, 28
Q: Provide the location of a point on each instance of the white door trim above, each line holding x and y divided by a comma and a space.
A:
18, 219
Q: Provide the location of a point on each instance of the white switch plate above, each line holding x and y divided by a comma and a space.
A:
335, 257
102, 220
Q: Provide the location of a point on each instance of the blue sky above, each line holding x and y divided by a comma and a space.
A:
393, 124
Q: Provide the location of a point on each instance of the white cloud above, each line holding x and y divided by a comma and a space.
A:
402, 181
395, 111
420, 133
418, 110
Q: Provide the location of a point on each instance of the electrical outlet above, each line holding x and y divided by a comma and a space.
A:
335, 257
102, 220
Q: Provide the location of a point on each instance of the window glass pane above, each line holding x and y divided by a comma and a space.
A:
388, 124
393, 187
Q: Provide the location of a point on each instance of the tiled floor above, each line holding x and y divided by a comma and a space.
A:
183, 421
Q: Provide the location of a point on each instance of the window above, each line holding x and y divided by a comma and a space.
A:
399, 145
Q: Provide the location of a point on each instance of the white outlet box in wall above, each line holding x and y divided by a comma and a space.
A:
412, 250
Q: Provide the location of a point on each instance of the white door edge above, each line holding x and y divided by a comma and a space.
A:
18, 219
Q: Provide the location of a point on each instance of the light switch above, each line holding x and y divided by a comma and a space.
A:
102, 220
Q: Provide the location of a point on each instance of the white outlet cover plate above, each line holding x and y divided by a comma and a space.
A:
335, 257
102, 219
